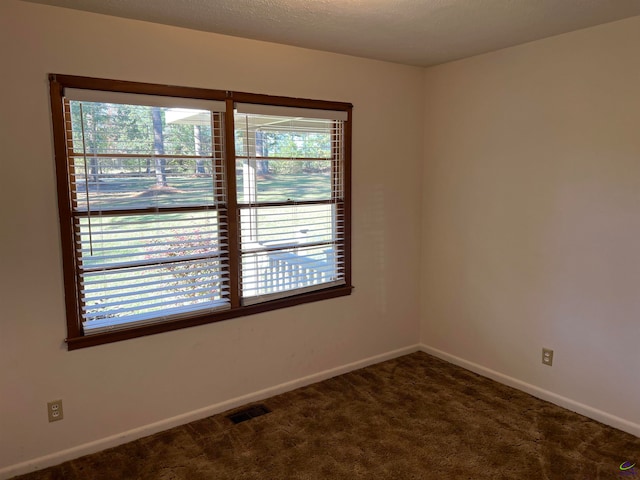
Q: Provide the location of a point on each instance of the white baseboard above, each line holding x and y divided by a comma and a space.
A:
130, 435
568, 403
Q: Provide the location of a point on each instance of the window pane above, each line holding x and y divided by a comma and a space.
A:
297, 247
105, 241
284, 137
150, 293
289, 225
129, 156
146, 266
283, 180
283, 159
289, 248
268, 273
111, 128
131, 183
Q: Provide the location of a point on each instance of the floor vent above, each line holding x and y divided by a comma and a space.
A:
248, 413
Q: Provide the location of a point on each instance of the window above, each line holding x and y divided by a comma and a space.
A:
182, 206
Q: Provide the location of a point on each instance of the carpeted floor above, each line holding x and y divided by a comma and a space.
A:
414, 417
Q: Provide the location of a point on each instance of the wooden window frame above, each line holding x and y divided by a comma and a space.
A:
75, 338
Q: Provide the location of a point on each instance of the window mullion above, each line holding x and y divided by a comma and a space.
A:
220, 188
233, 224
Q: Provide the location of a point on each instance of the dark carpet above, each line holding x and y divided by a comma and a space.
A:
414, 417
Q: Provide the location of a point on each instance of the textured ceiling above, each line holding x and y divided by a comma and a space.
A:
414, 32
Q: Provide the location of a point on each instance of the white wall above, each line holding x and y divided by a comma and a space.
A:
114, 388
528, 227
531, 217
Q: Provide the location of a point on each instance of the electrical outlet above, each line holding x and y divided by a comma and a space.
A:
547, 356
54, 409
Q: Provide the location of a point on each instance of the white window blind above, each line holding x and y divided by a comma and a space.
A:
148, 207
290, 179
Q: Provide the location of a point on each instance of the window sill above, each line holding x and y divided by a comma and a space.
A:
141, 331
